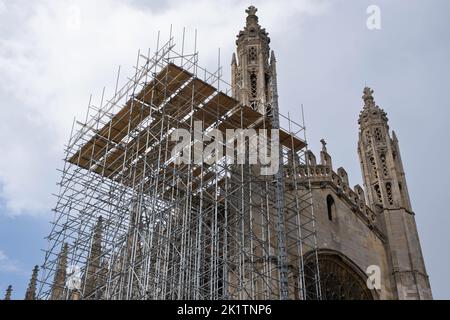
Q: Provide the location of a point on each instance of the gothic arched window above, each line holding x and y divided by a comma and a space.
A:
330, 207
340, 278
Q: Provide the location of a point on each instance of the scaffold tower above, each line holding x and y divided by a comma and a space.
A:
130, 222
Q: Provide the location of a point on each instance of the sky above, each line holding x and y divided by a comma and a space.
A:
55, 54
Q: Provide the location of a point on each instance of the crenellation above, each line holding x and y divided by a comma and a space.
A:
322, 176
325, 158
343, 174
360, 192
311, 158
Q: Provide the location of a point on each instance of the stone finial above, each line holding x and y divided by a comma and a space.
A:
8, 293
394, 136
370, 110
252, 18
94, 263
273, 59
369, 101
253, 30
311, 158
360, 192
251, 11
31, 290
324, 145
96, 247
325, 158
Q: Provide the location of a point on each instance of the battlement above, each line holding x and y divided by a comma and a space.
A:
321, 175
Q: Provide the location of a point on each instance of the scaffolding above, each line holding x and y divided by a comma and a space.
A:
136, 225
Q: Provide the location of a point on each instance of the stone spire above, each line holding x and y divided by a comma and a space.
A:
59, 282
273, 59
394, 136
253, 67
233, 59
8, 293
94, 264
133, 253
31, 291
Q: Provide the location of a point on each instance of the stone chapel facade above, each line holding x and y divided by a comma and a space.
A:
358, 228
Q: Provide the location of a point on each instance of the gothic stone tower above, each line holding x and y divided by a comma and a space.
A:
387, 194
253, 71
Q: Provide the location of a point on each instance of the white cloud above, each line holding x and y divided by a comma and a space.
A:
53, 54
7, 265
